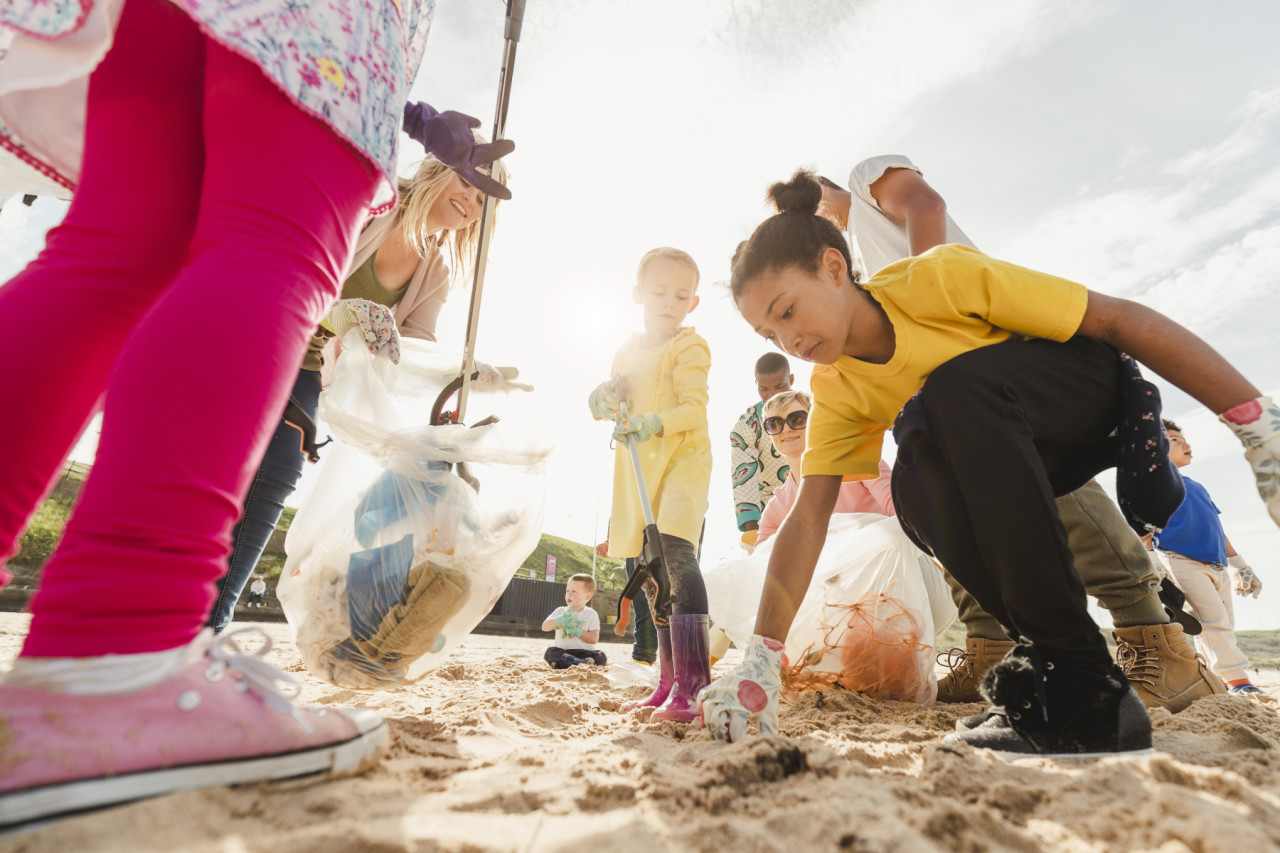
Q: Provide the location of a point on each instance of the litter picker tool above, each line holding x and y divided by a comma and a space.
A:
652, 562
511, 33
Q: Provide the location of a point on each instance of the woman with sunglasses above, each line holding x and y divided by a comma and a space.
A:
786, 417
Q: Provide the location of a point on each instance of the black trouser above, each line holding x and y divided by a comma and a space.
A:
993, 437
645, 646
564, 658
688, 592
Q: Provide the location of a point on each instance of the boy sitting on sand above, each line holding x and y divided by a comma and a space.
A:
577, 627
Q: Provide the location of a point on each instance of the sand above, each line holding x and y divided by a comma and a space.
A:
494, 751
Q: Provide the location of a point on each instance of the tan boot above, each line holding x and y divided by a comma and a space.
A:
1163, 667
967, 668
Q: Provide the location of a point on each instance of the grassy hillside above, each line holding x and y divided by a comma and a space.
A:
42, 536
573, 558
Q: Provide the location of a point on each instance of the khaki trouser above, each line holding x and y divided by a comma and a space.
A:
1208, 591
1111, 560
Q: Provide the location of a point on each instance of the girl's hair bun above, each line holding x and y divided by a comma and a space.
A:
801, 194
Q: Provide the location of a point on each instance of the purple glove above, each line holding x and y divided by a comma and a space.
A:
448, 136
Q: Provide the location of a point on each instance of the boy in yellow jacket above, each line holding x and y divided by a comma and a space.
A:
662, 376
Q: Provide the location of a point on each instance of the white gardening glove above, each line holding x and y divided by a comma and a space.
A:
752, 688
377, 322
488, 373
1257, 425
1247, 582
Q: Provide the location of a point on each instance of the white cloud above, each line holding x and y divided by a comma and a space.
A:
1160, 220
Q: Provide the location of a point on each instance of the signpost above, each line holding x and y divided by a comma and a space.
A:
551, 567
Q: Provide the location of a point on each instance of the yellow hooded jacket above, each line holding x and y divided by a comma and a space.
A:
670, 381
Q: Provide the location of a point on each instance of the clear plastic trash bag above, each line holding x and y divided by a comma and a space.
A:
393, 558
868, 621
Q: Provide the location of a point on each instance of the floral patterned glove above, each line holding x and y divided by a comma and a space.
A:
605, 400
376, 321
751, 688
643, 427
1257, 425
570, 624
1247, 582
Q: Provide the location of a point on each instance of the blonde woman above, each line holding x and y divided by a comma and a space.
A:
404, 263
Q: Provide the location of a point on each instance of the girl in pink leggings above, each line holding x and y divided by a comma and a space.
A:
213, 217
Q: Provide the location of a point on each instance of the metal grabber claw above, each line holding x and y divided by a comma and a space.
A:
652, 562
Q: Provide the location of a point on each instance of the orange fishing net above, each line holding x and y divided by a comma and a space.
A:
874, 646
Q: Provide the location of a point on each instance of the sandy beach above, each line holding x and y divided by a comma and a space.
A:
496, 752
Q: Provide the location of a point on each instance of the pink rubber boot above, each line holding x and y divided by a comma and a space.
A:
692, 657
666, 674
222, 719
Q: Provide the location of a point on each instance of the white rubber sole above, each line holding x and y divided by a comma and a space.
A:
1015, 756
58, 800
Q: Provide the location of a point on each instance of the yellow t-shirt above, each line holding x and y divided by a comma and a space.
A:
670, 381
945, 302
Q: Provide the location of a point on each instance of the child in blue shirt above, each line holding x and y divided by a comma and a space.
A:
1199, 555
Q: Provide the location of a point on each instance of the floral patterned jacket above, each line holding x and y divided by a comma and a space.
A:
349, 62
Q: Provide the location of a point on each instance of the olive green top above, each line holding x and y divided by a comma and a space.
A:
363, 283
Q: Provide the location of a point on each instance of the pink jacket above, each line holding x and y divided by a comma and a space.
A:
855, 496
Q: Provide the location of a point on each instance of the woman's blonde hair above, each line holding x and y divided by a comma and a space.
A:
779, 403
676, 255
419, 194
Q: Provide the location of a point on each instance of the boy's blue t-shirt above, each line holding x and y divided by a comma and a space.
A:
1194, 530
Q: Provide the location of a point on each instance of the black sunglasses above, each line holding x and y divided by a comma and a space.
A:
795, 420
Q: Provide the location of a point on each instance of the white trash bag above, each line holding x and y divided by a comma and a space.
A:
868, 621
393, 558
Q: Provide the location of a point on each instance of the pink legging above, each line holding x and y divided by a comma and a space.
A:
207, 237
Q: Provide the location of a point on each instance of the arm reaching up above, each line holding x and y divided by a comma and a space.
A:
905, 196
1191, 364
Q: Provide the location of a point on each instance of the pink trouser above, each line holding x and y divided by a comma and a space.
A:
206, 239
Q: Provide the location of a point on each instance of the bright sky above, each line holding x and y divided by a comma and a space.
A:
1134, 147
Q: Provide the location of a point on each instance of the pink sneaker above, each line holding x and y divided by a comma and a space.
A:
222, 720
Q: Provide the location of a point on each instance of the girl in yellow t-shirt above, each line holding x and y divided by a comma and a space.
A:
1004, 387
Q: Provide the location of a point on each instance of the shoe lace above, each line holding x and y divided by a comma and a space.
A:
959, 663
1139, 663
263, 678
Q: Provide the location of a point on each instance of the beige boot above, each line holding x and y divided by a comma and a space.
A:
967, 668
1163, 667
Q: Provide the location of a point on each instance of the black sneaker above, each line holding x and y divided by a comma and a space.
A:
1049, 705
